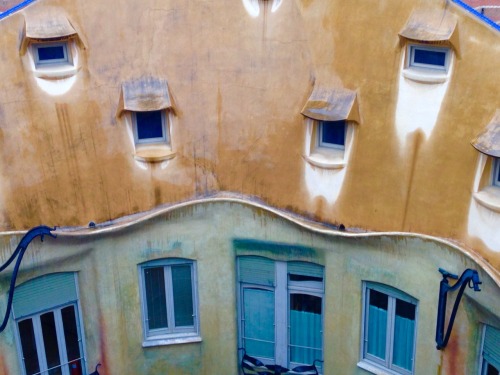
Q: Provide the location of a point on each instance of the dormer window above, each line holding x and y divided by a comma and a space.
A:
430, 40
146, 108
331, 115
487, 182
50, 45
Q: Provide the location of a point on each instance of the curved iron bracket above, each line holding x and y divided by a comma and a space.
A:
39, 231
468, 276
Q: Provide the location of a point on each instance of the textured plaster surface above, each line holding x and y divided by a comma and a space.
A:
239, 88
213, 234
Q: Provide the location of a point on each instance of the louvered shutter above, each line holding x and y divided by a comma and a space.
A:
45, 292
305, 269
491, 346
256, 270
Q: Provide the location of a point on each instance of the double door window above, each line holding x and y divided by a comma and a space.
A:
48, 326
50, 343
281, 310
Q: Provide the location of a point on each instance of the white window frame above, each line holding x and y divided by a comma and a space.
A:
66, 60
495, 180
171, 334
61, 340
413, 64
369, 359
321, 144
282, 291
165, 138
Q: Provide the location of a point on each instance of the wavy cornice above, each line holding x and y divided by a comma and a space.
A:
125, 222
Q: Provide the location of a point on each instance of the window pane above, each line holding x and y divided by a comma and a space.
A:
28, 345
154, 280
149, 125
183, 295
305, 328
49, 333
490, 370
71, 336
377, 323
305, 278
422, 56
50, 53
258, 322
404, 334
332, 132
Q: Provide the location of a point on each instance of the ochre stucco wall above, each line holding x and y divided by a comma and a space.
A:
239, 84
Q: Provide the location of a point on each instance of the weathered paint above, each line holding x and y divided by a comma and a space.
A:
418, 105
213, 233
239, 88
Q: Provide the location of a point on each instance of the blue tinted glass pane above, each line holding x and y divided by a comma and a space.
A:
404, 332
333, 132
183, 295
305, 328
154, 281
258, 322
149, 125
422, 56
377, 324
50, 53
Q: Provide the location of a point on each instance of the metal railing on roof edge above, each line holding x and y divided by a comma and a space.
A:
14, 9
477, 14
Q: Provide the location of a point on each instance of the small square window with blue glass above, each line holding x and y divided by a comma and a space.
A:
331, 134
51, 53
150, 127
429, 57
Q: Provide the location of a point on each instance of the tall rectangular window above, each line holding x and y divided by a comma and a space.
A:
168, 292
389, 328
51, 342
281, 310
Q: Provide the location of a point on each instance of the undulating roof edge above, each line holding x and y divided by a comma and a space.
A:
114, 226
477, 14
14, 9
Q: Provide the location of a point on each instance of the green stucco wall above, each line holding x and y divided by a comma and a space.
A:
213, 233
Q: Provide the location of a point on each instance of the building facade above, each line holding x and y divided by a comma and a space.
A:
285, 177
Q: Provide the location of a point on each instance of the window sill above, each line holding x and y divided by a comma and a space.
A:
153, 153
327, 158
170, 341
374, 369
425, 75
489, 197
55, 71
